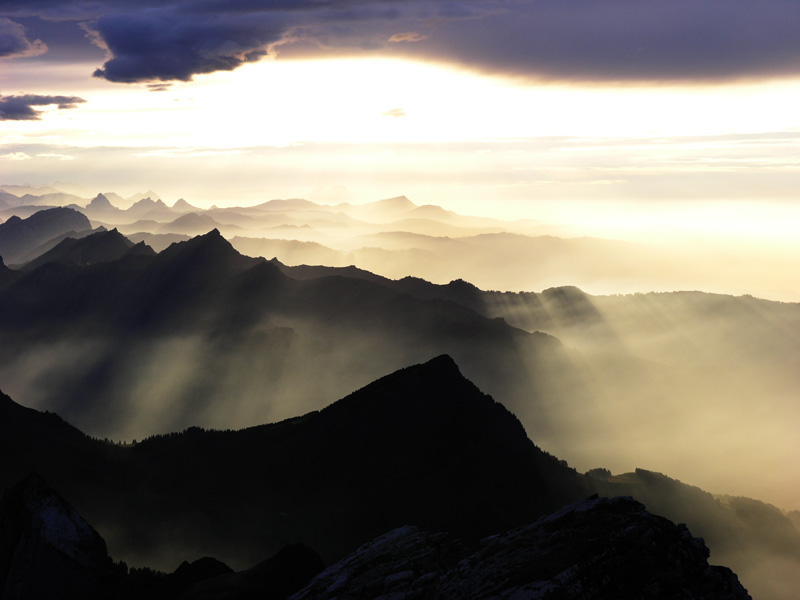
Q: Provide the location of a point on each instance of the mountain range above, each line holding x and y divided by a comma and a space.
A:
199, 323
126, 342
423, 447
397, 238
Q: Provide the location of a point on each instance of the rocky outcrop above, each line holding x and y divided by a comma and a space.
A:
47, 550
596, 549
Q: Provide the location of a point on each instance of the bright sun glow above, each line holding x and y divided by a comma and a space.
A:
277, 103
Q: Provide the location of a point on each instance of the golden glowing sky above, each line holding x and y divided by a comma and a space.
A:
691, 156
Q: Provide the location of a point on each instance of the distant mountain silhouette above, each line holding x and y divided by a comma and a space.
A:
149, 194
101, 203
293, 251
303, 272
53, 242
50, 199
101, 209
21, 190
158, 241
7, 200
182, 205
99, 247
20, 236
381, 210
150, 209
115, 199
190, 223
239, 311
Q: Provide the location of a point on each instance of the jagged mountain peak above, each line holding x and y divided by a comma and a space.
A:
99, 247
100, 202
149, 194
208, 249
183, 205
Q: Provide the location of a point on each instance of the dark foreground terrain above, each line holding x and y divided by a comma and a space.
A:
417, 484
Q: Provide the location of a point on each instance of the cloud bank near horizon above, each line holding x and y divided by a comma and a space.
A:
579, 40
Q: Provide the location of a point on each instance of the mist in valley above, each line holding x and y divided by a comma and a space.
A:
305, 303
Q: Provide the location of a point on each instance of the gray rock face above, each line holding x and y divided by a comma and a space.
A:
591, 550
46, 549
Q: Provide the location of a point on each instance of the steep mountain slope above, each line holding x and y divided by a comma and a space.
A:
20, 236
597, 549
104, 246
756, 539
684, 371
421, 446
100, 206
200, 322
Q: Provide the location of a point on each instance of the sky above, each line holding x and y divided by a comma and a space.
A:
619, 118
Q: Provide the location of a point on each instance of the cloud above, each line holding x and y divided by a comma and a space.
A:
409, 36
20, 108
16, 156
164, 45
578, 40
56, 156
15, 44
627, 40
394, 112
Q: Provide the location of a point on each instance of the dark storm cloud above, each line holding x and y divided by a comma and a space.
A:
21, 108
628, 40
166, 45
15, 43
621, 40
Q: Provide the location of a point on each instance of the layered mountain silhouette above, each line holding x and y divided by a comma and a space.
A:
397, 238
422, 446
126, 343
19, 236
193, 326
210, 324
104, 246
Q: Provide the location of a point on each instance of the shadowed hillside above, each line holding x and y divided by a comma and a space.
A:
200, 334
421, 446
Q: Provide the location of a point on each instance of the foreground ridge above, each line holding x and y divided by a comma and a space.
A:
596, 549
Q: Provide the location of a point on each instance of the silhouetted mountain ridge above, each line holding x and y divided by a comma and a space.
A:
105, 246
20, 236
591, 550
422, 445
